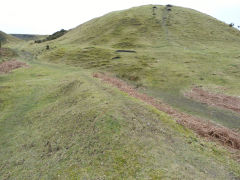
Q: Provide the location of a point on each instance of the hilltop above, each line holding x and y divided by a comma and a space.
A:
138, 27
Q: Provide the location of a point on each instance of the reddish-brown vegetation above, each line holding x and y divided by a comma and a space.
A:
8, 66
206, 129
214, 99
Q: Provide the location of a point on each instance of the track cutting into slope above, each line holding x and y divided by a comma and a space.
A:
225, 136
164, 22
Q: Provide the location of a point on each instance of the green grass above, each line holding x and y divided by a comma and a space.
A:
6, 38
7, 54
175, 51
59, 122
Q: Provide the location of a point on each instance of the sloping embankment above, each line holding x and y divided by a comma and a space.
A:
206, 129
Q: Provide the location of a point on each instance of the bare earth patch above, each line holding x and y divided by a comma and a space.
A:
214, 99
202, 127
8, 66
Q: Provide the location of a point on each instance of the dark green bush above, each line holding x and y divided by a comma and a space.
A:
53, 36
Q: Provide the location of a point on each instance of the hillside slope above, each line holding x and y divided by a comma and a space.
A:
171, 52
138, 27
5, 38
5, 52
60, 122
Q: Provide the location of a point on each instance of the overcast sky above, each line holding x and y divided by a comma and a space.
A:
48, 16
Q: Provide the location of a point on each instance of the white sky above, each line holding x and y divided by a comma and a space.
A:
48, 16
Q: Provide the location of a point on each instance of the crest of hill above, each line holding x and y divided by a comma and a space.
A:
29, 37
142, 26
6, 38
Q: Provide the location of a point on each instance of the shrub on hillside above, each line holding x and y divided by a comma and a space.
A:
53, 36
231, 24
2, 40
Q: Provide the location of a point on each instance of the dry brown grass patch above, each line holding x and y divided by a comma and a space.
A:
8, 66
202, 127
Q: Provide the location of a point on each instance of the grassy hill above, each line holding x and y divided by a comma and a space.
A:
138, 27
175, 50
6, 38
58, 122
5, 52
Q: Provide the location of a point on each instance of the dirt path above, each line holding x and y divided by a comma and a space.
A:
213, 99
8, 66
206, 129
164, 22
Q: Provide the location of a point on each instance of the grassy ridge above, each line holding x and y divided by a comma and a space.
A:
59, 122
6, 38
